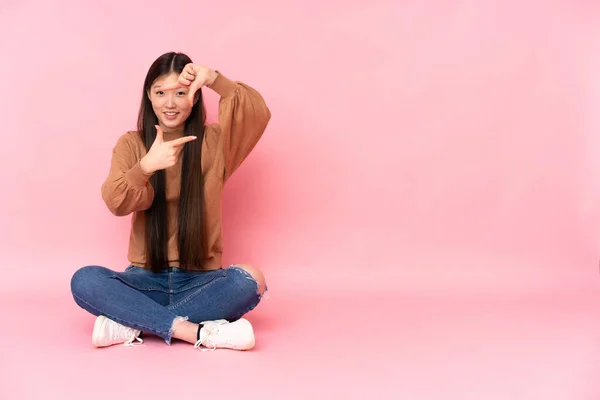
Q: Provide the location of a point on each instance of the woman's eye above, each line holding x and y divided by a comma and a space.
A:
181, 93
160, 93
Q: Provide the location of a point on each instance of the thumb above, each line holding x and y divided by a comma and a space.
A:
159, 134
195, 91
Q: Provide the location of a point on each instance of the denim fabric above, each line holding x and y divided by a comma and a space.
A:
151, 302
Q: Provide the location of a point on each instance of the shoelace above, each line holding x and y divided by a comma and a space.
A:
129, 342
210, 328
123, 331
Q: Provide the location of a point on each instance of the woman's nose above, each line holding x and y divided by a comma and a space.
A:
170, 102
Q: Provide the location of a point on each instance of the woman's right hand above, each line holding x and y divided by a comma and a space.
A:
163, 154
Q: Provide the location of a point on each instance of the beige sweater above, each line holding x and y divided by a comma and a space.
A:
243, 117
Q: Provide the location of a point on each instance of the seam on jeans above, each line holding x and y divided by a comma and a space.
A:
138, 326
195, 293
148, 289
209, 278
170, 288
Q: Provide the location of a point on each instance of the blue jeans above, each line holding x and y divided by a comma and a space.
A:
152, 302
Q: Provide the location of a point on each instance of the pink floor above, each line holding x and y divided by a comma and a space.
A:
343, 342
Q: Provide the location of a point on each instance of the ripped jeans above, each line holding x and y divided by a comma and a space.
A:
152, 302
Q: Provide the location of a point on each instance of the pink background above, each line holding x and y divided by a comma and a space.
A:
416, 149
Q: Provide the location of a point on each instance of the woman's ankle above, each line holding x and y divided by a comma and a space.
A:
186, 331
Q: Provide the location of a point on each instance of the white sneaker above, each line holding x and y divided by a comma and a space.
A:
237, 335
107, 332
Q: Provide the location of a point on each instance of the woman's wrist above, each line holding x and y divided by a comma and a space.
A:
212, 77
144, 166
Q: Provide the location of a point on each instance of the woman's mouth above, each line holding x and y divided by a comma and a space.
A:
171, 115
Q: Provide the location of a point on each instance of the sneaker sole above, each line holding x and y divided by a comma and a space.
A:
97, 329
251, 342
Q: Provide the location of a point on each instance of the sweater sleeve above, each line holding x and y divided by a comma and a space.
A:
127, 188
243, 118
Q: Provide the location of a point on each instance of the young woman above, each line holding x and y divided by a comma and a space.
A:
169, 175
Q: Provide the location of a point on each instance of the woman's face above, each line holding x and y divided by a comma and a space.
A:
170, 106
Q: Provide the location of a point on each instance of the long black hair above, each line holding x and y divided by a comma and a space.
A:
191, 239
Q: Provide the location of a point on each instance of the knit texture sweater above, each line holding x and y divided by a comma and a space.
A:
242, 119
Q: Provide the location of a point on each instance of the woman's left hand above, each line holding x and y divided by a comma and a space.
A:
195, 76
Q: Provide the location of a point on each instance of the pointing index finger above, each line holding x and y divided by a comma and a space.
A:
183, 140
176, 85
